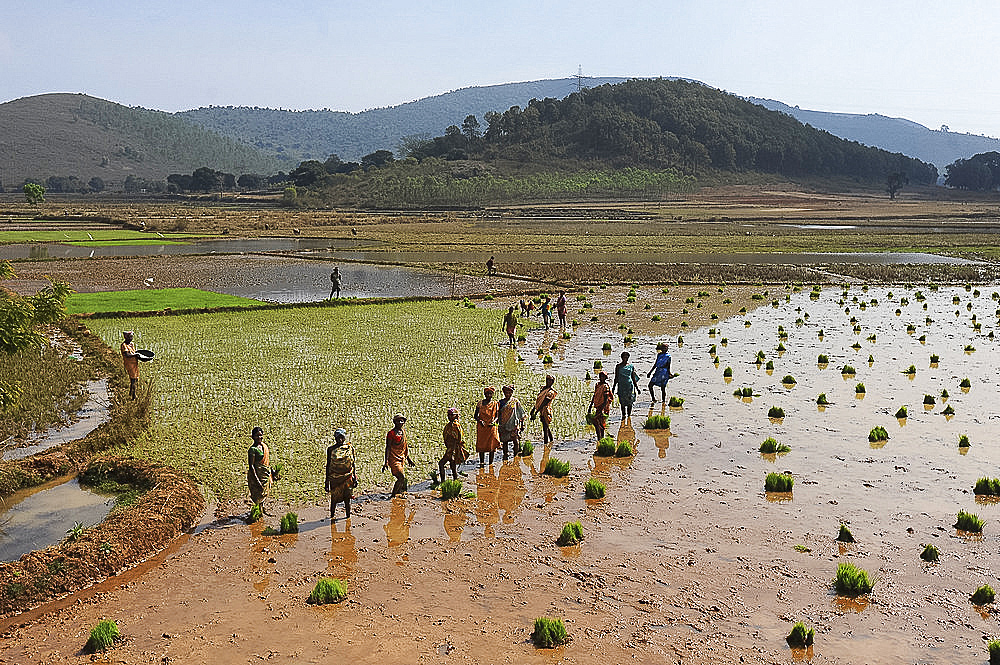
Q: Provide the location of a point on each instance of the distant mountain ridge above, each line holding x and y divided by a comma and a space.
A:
893, 134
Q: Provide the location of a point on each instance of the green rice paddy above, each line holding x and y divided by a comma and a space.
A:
96, 237
151, 300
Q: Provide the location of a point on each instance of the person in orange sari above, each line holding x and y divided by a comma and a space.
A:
487, 439
455, 451
397, 452
601, 403
543, 408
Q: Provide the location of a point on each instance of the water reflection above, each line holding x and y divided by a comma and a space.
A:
397, 529
487, 507
343, 552
512, 490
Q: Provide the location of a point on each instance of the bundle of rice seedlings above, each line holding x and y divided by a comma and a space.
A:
852, 581
929, 400
930, 553
993, 647
556, 468
290, 523
987, 487
969, 522
778, 482
847, 369
965, 383
901, 412
102, 637
822, 400
527, 448
983, 595
606, 447
800, 637
676, 402
728, 372
657, 422
771, 446
451, 489
948, 411
878, 434
624, 449
327, 590
549, 633
594, 489
572, 534
859, 389
775, 412
256, 512
845, 535
789, 380
822, 359
963, 441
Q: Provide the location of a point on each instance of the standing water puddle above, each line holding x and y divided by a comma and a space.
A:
39, 517
93, 413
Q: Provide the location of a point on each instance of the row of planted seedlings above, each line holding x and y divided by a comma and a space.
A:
850, 580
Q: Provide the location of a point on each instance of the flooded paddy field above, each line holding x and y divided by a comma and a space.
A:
687, 559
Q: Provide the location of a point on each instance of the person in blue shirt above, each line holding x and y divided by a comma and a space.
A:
660, 372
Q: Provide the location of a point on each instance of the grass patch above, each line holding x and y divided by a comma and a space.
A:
151, 300
778, 482
102, 637
606, 447
450, 489
556, 468
845, 535
800, 636
983, 595
987, 487
930, 554
656, 422
775, 412
878, 434
594, 489
549, 633
327, 591
624, 449
969, 522
852, 581
572, 534
771, 446
675, 402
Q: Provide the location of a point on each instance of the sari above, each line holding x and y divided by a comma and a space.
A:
487, 439
543, 404
455, 450
511, 419
339, 472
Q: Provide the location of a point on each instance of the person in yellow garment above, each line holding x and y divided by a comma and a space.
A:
397, 452
455, 451
130, 359
510, 425
487, 438
543, 408
258, 467
340, 478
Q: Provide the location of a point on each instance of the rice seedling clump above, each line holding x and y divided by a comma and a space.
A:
993, 648
771, 446
859, 389
845, 535
965, 383
800, 636
572, 534
789, 380
527, 448
594, 489
852, 581
878, 434
930, 553
987, 487
775, 412
963, 441
102, 636
328, 590
983, 595
676, 402
969, 522
549, 633
556, 468
822, 400
290, 523
728, 372
451, 489
778, 482
606, 447
929, 400
657, 422
948, 411
901, 413
624, 449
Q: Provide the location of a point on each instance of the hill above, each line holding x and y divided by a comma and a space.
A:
63, 134
893, 134
301, 135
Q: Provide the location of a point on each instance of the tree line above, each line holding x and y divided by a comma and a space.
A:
979, 173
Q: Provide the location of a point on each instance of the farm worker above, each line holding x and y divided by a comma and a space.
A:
335, 282
397, 452
546, 313
258, 467
510, 325
543, 408
561, 309
130, 359
626, 384
487, 439
601, 402
340, 475
511, 421
490, 269
660, 371
455, 451
524, 308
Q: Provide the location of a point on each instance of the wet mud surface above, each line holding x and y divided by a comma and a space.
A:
687, 559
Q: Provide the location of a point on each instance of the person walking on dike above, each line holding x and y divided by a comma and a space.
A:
335, 282
340, 476
130, 359
487, 438
490, 267
455, 451
660, 371
561, 309
511, 423
543, 408
510, 325
397, 453
524, 308
546, 312
259, 475
601, 404
626, 384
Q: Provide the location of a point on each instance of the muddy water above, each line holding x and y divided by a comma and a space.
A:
39, 517
88, 418
685, 559
220, 246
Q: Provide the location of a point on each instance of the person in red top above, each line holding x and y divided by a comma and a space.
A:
601, 402
561, 309
130, 359
397, 452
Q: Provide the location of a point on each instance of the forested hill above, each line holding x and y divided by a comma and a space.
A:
938, 147
74, 135
301, 135
674, 123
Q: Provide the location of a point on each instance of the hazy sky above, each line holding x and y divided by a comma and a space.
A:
932, 62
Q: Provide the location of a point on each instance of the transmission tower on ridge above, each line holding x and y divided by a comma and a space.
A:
579, 78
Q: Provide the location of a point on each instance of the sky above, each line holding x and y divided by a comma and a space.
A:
931, 62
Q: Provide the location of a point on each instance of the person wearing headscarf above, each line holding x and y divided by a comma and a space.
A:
543, 408
510, 425
397, 453
601, 404
130, 359
510, 326
487, 439
455, 451
626, 384
340, 474
258, 467
660, 371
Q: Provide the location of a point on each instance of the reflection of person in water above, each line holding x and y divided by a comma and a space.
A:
626, 433
487, 510
511, 492
454, 521
343, 553
397, 529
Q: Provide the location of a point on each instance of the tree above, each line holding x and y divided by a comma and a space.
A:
96, 184
377, 159
289, 197
20, 318
205, 179
894, 182
34, 192
470, 128
251, 181
307, 173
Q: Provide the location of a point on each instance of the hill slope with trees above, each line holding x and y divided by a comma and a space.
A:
81, 137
